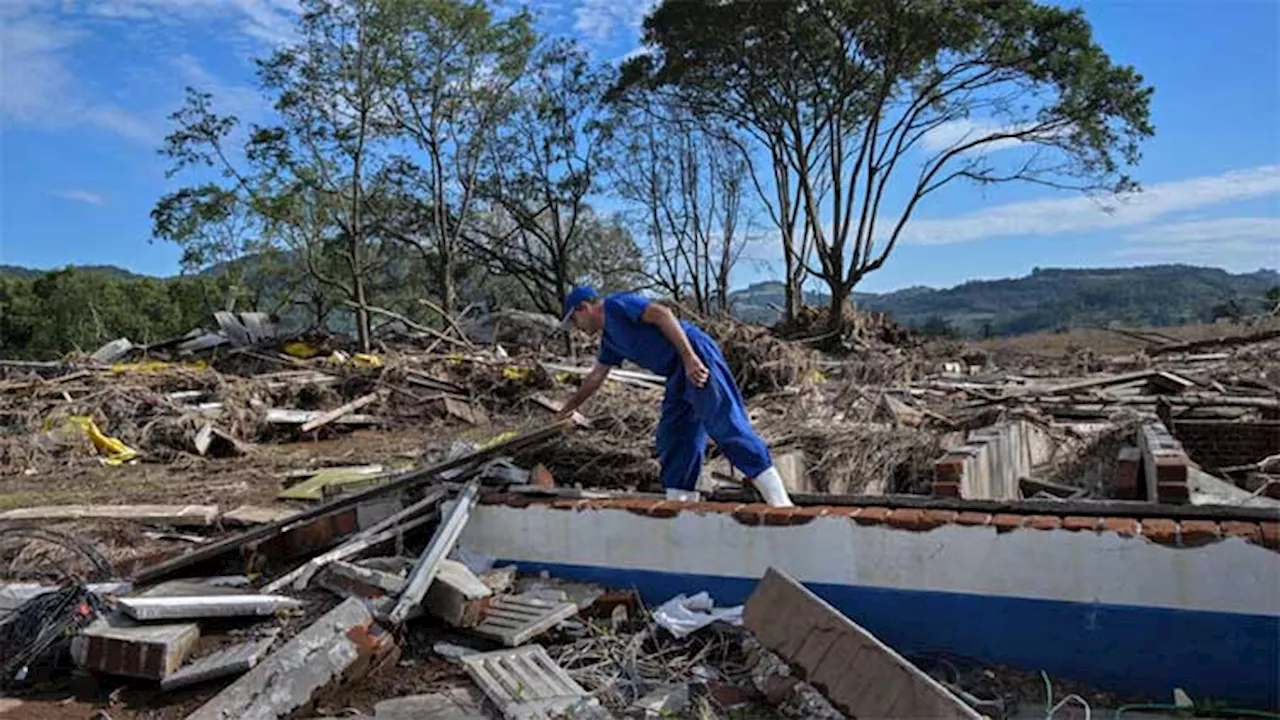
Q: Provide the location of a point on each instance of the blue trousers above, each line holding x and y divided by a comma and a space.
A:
691, 414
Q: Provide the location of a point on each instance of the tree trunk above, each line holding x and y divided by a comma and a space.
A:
447, 287
362, 315
840, 293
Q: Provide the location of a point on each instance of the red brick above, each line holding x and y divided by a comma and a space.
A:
849, 511
946, 489
938, 518
568, 503
1004, 522
752, 514
1076, 523
664, 510
813, 511
949, 469
973, 518
1173, 493
542, 477
1121, 526
906, 518
1270, 534
494, 498
872, 515
1044, 522
640, 505
1247, 530
1198, 532
1160, 530
703, 508
782, 517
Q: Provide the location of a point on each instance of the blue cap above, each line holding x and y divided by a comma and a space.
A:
576, 297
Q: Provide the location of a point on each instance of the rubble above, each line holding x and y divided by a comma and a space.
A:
331, 457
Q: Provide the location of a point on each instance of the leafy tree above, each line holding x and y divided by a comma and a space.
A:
841, 97
538, 176
454, 69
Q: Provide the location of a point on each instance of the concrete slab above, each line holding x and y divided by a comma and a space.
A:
343, 643
456, 595
246, 515
860, 675
206, 606
116, 645
234, 660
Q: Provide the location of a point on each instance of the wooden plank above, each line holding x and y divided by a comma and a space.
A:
338, 412
860, 675
337, 505
175, 515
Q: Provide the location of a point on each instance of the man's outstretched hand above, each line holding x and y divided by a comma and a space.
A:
696, 371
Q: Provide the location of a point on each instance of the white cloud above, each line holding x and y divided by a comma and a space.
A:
601, 20
85, 196
1076, 214
1239, 242
38, 39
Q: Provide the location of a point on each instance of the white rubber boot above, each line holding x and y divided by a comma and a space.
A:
678, 495
769, 483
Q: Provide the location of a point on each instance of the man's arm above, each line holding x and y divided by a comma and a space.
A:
667, 322
590, 384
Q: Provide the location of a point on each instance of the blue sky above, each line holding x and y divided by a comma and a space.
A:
87, 86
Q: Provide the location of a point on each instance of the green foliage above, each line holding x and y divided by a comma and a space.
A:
48, 315
839, 95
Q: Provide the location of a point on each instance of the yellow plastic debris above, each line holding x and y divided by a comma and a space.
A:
366, 360
816, 377
511, 372
498, 439
116, 452
301, 349
563, 377
455, 359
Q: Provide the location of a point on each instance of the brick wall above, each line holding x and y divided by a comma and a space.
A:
1221, 443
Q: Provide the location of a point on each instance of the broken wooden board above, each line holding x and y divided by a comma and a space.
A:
288, 416
525, 683
174, 515
338, 412
189, 607
314, 487
860, 675
210, 438
246, 515
513, 620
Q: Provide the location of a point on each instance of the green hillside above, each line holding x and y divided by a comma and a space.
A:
1158, 295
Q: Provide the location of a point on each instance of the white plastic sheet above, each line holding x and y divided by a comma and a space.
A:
684, 615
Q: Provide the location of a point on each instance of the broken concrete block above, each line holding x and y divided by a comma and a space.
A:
206, 606
234, 660
452, 704
499, 580
860, 675
116, 645
349, 580
343, 643
456, 595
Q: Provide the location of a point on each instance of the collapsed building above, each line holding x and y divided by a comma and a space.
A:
241, 524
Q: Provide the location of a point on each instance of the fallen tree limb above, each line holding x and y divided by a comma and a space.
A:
413, 325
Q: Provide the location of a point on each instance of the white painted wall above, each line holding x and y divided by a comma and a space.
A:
1227, 576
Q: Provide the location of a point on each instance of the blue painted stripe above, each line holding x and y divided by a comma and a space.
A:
1130, 650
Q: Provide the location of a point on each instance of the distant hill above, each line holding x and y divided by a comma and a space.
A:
26, 273
1158, 295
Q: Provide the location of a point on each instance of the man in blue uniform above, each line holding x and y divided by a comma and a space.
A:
702, 399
